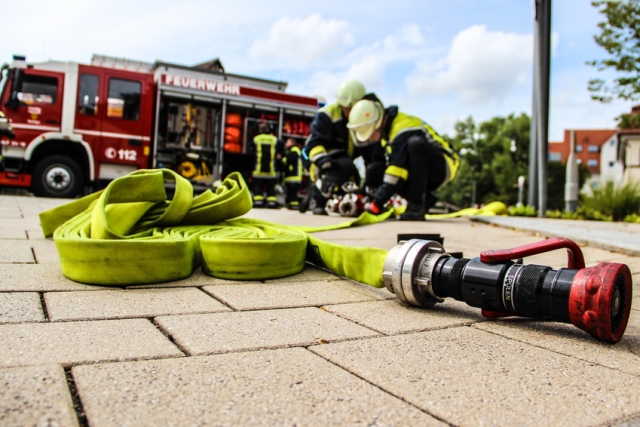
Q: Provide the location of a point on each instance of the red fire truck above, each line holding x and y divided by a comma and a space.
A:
76, 125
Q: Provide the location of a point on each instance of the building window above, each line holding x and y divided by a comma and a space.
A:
594, 148
88, 95
579, 148
611, 164
555, 157
124, 99
592, 163
38, 89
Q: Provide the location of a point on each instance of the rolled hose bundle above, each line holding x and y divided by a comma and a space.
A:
130, 234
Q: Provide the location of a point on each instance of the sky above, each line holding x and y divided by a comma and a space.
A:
440, 60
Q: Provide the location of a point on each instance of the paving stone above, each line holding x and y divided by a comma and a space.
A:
20, 307
7, 212
240, 331
35, 235
118, 303
286, 295
45, 251
39, 278
197, 279
16, 251
278, 387
12, 233
567, 339
309, 274
70, 343
35, 396
394, 317
468, 377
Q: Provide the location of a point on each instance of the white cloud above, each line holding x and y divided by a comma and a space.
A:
300, 42
481, 66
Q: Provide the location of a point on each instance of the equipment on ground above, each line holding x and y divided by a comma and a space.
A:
348, 204
595, 299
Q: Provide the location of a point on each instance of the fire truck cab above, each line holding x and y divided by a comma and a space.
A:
76, 125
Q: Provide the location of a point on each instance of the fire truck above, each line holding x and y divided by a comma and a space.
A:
77, 126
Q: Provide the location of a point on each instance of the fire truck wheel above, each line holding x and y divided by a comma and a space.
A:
57, 176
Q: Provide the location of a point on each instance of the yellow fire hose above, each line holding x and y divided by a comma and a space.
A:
130, 234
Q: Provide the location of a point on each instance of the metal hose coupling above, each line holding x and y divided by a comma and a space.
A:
408, 271
595, 299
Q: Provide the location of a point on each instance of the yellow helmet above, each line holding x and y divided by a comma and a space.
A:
349, 93
365, 117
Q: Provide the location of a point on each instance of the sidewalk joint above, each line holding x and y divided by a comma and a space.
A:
437, 417
75, 398
45, 312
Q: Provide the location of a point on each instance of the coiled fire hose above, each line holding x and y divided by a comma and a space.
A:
130, 234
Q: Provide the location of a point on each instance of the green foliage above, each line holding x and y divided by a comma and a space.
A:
487, 161
615, 201
524, 210
632, 218
581, 213
620, 38
629, 121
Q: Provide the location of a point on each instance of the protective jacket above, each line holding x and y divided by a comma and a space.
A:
266, 146
292, 163
399, 128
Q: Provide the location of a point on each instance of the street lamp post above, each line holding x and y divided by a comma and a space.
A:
538, 159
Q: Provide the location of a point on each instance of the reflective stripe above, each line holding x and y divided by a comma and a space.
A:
390, 179
258, 197
317, 152
397, 171
334, 111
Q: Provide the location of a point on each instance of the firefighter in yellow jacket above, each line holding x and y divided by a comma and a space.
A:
292, 173
419, 162
264, 175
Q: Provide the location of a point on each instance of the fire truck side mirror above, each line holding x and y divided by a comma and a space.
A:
16, 86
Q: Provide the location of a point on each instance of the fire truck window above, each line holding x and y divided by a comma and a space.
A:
124, 99
88, 95
38, 89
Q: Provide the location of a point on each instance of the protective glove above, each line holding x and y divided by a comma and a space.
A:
329, 182
373, 208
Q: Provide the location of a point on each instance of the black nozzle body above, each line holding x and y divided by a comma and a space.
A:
530, 290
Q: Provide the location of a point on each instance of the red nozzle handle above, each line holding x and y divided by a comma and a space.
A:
576, 259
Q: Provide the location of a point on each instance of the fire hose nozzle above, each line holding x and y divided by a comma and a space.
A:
595, 299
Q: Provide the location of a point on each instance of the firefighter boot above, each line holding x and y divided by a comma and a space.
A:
258, 201
272, 202
415, 210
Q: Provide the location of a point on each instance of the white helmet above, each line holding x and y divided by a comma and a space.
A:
365, 117
349, 93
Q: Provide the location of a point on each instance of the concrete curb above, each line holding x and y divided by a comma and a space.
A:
612, 240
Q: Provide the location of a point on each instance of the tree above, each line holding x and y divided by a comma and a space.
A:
493, 155
620, 38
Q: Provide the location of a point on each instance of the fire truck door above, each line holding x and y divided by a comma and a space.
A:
34, 103
122, 136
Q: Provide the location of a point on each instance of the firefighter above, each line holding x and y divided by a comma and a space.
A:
292, 173
330, 148
267, 148
5, 127
419, 159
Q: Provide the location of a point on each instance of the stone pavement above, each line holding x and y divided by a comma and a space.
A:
311, 349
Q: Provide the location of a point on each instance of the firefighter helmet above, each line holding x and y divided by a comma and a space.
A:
365, 117
349, 93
